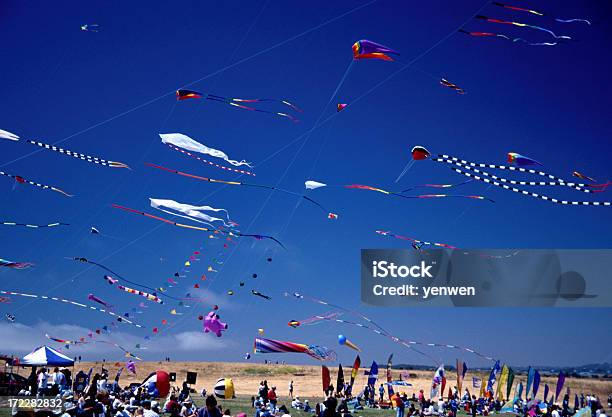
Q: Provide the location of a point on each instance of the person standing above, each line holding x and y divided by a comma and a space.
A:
42, 379
59, 381
273, 399
291, 389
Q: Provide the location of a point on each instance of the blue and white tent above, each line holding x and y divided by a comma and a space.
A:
46, 356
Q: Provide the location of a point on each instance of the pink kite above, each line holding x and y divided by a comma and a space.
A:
212, 323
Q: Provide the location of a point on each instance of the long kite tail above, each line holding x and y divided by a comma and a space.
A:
268, 187
74, 303
487, 178
261, 237
502, 36
22, 180
78, 155
187, 226
555, 181
34, 226
426, 196
519, 24
110, 271
236, 102
184, 152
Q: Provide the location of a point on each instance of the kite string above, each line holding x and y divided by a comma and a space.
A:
212, 74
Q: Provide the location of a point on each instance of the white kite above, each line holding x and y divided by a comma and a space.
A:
187, 211
313, 185
185, 142
8, 135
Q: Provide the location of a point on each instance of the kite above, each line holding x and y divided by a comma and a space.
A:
535, 12
5, 299
64, 341
8, 135
87, 261
111, 280
74, 303
184, 143
397, 194
365, 49
187, 211
343, 341
22, 180
237, 102
99, 300
582, 176
341, 106
257, 293
276, 346
186, 226
416, 244
211, 180
34, 226
521, 160
94, 231
519, 24
213, 324
499, 35
150, 297
15, 265
445, 83
81, 156
90, 27
130, 366
9, 317
418, 153
470, 170
312, 320
379, 330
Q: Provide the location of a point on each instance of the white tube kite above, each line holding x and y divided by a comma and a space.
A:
313, 185
187, 211
185, 142
8, 135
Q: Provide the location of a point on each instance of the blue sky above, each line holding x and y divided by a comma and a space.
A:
109, 94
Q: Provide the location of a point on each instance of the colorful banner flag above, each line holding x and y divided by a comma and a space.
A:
438, 380
373, 374
503, 379
355, 370
560, 382
536, 383
545, 392
340, 380
530, 375
325, 378
510, 382
493, 376
461, 371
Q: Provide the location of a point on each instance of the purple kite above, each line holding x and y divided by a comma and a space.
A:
99, 300
365, 49
213, 324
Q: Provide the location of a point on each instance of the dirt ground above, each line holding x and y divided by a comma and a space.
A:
307, 378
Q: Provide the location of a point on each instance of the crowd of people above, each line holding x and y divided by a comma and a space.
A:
100, 397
